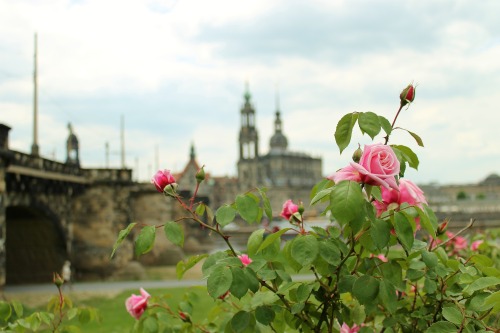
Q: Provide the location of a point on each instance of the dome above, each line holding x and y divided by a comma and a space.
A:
279, 141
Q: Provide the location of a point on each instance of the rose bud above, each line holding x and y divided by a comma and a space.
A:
200, 175
407, 95
161, 179
356, 156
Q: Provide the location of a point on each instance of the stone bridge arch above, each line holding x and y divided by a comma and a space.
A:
35, 244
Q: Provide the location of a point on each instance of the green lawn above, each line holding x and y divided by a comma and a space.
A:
116, 319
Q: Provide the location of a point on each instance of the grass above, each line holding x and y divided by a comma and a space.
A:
115, 318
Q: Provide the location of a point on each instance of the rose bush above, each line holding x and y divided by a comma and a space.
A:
370, 271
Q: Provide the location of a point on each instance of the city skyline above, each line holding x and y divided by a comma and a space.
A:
176, 71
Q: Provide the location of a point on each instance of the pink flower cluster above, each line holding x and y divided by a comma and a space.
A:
378, 166
137, 304
407, 192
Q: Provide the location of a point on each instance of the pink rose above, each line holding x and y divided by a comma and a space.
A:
378, 166
161, 179
475, 245
346, 329
289, 208
408, 193
136, 305
245, 260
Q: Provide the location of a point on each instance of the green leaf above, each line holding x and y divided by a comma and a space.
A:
225, 215
494, 301
408, 155
387, 295
429, 258
271, 238
18, 308
200, 209
404, 231
263, 298
210, 215
303, 292
145, 240
254, 241
219, 281
264, 314
248, 208
426, 221
321, 195
452, 314
174, 233
347, 201
442, 327
241, 321
481, 283
320, 186
369, 123
150, 325
385, 124
239, 286
304, 249
329, 251
183, 266
365, 289
121, 237
343, 132
380, 233
5, 310
416, 137
393, 272
267, 204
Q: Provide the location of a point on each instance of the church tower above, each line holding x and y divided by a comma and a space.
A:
248, 162
278, 142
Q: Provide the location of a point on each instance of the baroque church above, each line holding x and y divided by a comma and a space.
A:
285, 174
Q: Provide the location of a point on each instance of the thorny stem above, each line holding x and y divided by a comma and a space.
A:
61, 314
194, 196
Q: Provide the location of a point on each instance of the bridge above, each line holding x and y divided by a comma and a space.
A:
38, 201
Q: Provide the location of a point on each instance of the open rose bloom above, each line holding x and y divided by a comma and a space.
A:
245, 259
378, 166
137, 304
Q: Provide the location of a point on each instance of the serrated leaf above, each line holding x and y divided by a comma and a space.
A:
380, 232
387, 295
304, 249
404, 230
442, 327
225, 215
183, 266
5, 310
121, 237
321, 195
267, 204
145, 240
385, 124
174, 233
369, 123
271, 238
452, 314
365, 289
347, 201
219, 281
416, 137
239, 285
343, 131
248, 208
408, 155
481, 284
254, 241
264, 314
241, 321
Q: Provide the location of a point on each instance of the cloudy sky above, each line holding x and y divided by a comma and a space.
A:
176, 72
